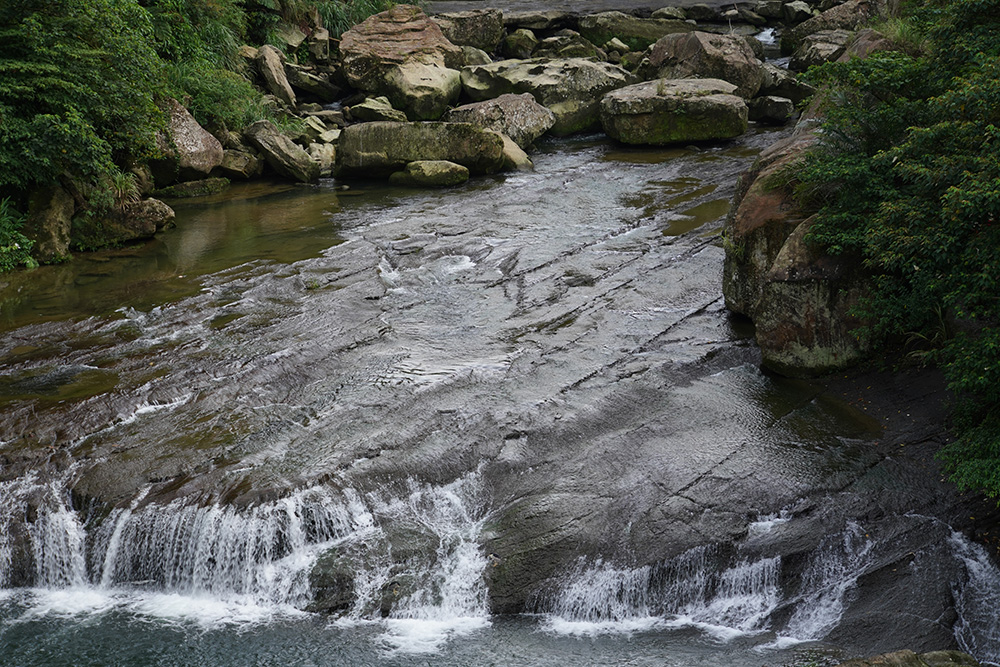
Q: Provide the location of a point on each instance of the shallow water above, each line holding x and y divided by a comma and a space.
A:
520, 392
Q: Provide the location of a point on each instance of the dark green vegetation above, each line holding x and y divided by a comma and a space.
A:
908, 178
80, 82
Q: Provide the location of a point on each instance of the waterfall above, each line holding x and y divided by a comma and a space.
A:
977, 598
833, 571
690, 589
197, 561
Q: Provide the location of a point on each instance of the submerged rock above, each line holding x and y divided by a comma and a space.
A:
674, 111
430, 173
381, 148
571, 88
910, 659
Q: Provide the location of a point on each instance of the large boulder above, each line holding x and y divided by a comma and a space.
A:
847, 16
282, 154
707, 56
134, 222
637, 33
402, 54
50, 215
519, 117
239, 165
550, 19
312, 85
803, 320
674, 111
374, 109
818, 48
381, 148
571, 88
480, 28
800, 298
271, 65
187, 150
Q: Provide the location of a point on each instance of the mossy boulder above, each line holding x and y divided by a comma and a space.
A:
381, 148
637, 33
430, 173
674, 111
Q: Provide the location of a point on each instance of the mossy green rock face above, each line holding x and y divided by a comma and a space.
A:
381, 148
637, 33
674, 111
430, 173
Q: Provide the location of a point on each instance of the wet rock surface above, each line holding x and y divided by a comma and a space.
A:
559, 332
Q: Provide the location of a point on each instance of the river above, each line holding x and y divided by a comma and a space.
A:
505, 423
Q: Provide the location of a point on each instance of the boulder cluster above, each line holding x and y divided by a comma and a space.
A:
477, 88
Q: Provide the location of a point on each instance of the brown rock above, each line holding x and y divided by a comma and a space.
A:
271, 65
708, 56
187, 150
519, 117
50, 214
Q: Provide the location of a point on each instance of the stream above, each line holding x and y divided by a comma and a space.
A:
505, 423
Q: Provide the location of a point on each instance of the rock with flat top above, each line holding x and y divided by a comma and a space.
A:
430, 173
674, 111
519, 117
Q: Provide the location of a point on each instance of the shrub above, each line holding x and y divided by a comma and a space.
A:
15, 248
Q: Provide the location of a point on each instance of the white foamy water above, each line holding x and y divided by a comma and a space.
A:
977, 599
833, 570
687, 591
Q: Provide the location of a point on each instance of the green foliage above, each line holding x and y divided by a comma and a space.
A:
908, 177
77, 81
15, 248
340, 15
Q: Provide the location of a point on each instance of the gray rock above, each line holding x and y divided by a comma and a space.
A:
702, 12
122, 225
374, 109
771, 9
403, 55
200, 188
571, 88
638, 33
539, 20
519, 117
750, 16
187, 150
677, 13
239, 165
796, 12
325, 155
312, 85
378, 149
479, 28
271, 65
849, 16
319, 45
282, 154
474, 56
779, 82
514, 157
50, 215
520, 44
568, 46
818, 48
907, 658
771, 109
674, 111
430, 173
710, 56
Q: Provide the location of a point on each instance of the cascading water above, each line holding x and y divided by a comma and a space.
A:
155, 559
977, 599
691, 589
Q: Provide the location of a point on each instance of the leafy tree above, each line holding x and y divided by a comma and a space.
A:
908, 177
77, 82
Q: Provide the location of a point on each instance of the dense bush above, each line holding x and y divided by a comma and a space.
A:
908, 176
77, 82
15, 249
